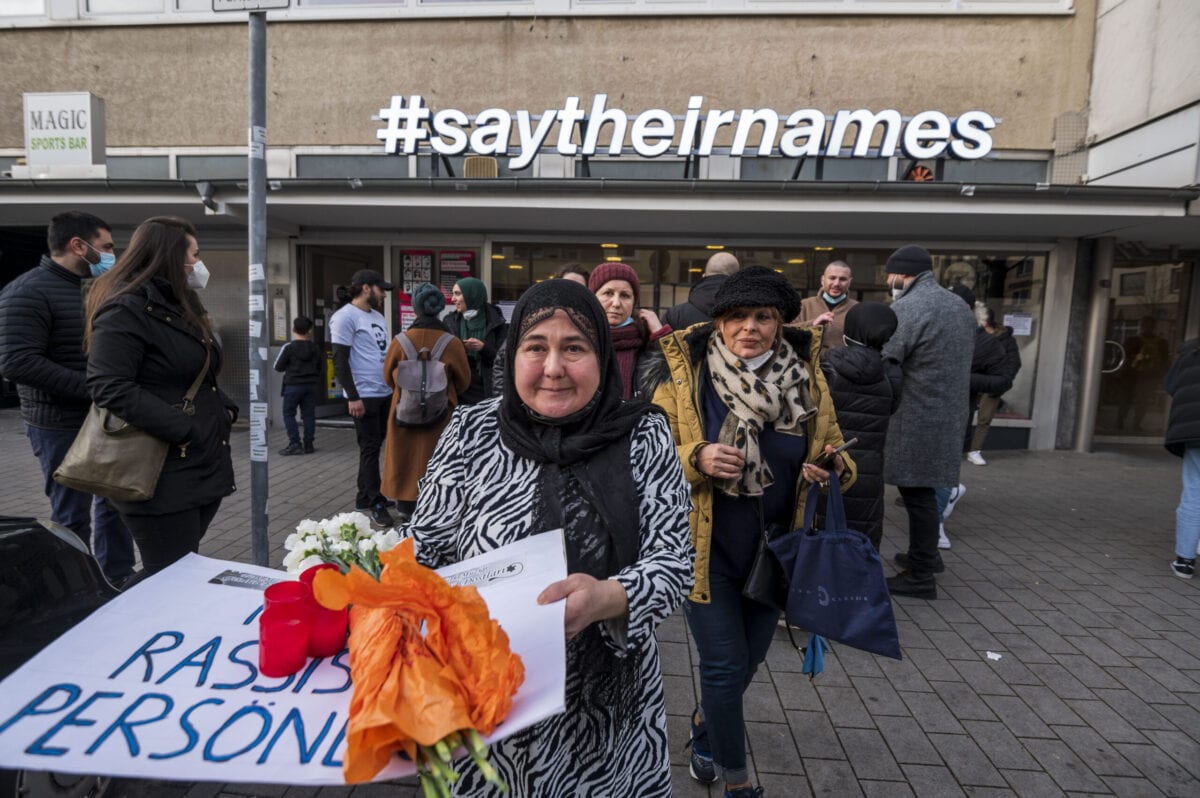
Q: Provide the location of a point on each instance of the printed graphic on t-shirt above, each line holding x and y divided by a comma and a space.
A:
365, 332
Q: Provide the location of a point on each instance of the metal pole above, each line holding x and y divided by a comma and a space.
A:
258, 287
1093, 361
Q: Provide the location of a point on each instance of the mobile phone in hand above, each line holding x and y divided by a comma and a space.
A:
823, 460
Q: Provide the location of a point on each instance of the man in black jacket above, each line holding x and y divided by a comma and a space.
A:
41, 350
703, 295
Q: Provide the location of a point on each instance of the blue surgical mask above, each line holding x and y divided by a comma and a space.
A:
106, 262
833, 300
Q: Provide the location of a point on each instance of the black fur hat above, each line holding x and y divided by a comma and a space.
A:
757, 287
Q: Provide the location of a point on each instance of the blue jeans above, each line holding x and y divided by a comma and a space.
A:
943, 498
1187, 515
113, 545
732, 635
305, 398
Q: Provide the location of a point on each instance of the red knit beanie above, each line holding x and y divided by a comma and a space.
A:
614, 271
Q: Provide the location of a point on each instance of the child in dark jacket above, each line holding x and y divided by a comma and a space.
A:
865, 391
303, 365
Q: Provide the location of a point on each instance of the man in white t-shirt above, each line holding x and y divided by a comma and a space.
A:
360, 340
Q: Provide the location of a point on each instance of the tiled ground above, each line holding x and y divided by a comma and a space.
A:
1059, 565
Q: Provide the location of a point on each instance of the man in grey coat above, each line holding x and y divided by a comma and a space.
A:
932, 346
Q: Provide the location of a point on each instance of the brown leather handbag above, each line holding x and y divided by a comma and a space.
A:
114, 459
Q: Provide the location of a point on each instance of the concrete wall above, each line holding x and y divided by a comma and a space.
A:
185, 85
1147, 62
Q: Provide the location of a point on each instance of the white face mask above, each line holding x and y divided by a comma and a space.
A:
897, 287
199, 276
470, 314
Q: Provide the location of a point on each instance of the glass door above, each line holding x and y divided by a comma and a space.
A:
325, 281
1146, 320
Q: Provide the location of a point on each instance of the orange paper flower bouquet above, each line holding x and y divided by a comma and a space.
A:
428, 664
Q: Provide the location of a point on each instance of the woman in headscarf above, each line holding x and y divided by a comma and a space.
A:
407, 449
562, 450
633, 329
866, 391
750, 413
481, 327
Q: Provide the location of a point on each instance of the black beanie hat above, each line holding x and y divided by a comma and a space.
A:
757, 287
909, 260
967, 294
871, 323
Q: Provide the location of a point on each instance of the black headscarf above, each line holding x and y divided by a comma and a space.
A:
586, 482
870, 324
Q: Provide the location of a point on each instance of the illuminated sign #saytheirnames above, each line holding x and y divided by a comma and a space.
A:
408, 122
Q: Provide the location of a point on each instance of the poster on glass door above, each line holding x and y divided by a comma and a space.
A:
452, 267
416, 267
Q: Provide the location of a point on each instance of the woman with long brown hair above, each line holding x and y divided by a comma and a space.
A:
148, 338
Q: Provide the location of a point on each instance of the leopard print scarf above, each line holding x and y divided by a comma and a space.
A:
777, 394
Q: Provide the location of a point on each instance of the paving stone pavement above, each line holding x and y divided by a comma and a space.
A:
1059, 564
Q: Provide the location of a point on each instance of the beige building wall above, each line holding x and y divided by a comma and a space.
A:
1147, 62
186, 85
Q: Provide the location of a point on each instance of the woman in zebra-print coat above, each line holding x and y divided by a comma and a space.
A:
561, 449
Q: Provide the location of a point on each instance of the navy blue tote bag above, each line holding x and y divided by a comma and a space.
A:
837, 588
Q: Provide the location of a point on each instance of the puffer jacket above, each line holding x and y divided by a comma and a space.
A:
144, 358
989, 365
1183, 385
865, 391
676, 374
1012, 354
41, 345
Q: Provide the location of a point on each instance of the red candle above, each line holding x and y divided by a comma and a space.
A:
327, 634
293, 599
282, 642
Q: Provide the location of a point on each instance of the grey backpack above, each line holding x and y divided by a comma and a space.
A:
423, 383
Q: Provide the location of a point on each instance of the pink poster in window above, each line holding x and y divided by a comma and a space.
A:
453, 266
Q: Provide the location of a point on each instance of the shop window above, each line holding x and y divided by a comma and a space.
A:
1012, 287
124, 6
350, 166
6, 164
1133, 284
995, 171
211, 167
425, 167
833, 169
632, 169
139, 167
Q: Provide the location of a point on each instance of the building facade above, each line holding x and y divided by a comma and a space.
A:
1075, 223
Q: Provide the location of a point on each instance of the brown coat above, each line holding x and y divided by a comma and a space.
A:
407, 450
814, 306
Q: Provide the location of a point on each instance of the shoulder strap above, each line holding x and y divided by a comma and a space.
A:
440, 346
190, 396
410, 351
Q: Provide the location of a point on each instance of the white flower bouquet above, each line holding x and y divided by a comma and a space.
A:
344, 540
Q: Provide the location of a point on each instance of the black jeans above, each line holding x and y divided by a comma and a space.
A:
163, 539
923, 521
371, 429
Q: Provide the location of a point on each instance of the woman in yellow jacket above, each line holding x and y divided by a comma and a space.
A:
750, 412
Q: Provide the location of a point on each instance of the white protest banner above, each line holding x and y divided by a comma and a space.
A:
162, 682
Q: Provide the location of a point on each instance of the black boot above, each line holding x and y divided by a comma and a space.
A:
291, 448
904, 584
308, 447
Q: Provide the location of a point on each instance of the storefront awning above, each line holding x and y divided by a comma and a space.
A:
730, 211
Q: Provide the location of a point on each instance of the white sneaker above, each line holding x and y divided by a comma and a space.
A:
955, 495
943, 540
975, 458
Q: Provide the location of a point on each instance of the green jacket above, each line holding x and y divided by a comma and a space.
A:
677, 375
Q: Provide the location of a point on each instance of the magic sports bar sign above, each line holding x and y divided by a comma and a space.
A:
408, 122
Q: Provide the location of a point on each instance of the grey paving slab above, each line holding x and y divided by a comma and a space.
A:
1097, 690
